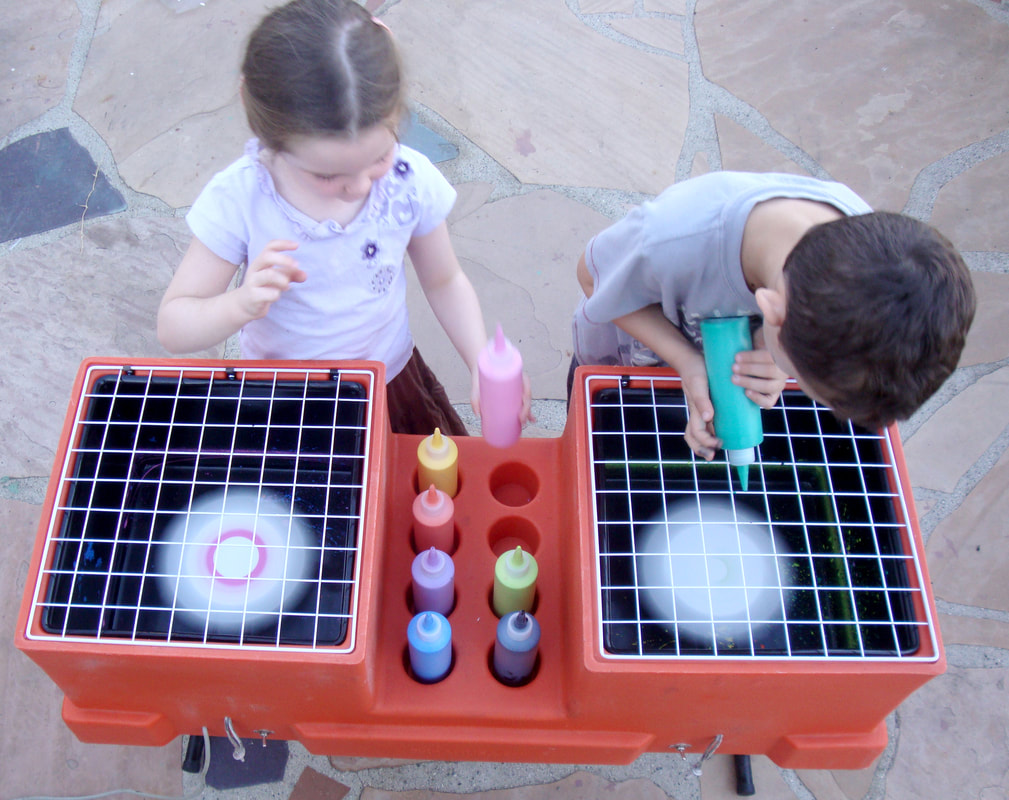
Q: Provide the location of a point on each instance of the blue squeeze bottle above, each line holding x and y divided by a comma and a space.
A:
429, 636
737, 417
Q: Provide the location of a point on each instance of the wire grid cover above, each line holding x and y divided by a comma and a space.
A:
815, 560
209, 508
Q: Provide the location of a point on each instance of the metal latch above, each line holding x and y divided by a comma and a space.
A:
708, 753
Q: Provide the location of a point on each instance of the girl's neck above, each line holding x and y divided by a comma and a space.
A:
320, 209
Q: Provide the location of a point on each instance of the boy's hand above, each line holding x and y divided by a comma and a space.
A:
269, 275
757, 373
700, 433
759, 376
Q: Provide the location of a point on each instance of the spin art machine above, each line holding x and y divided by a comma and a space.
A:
791, 628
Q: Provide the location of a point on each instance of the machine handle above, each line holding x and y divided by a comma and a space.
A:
744, 776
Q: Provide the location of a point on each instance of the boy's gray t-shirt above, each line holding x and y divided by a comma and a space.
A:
682, 250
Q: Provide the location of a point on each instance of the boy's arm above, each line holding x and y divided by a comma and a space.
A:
198, 311
455, 304
651, 327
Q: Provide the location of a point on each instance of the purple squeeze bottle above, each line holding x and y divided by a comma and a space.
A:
518, 638
500, 369
433, 576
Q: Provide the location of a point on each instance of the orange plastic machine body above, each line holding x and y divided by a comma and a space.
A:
582, 704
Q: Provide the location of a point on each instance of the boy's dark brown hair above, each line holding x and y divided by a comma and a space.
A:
320, 67
877, 312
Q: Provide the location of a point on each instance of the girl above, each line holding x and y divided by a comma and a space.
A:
321, 209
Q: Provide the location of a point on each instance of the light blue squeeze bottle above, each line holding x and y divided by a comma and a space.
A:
737, 417
429, 636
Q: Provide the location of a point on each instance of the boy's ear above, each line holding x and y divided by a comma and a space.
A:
771, 303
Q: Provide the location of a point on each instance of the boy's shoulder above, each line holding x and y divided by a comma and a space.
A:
730, 188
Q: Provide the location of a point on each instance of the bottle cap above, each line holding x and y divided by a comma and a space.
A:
428, 626
745, 455
517, 561
499, 354
520, 626
432, 561
499, 345
437, 445
432, 499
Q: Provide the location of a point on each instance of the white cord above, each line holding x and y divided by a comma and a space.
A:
134, 793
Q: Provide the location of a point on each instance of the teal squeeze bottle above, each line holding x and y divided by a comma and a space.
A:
737, 418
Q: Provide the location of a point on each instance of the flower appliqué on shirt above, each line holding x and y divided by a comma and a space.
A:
402, 168
369, 251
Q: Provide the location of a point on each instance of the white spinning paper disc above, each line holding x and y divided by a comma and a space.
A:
709, 561
234, 560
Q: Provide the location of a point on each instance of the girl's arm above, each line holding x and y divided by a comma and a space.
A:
198, 310
454, 302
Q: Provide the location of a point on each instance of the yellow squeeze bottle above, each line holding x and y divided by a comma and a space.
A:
438, 463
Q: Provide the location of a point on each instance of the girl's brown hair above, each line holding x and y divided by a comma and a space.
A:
320, 67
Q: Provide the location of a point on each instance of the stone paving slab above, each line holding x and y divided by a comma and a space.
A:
38, 753
547, 122
519, 251
170, 147
90, 293
862, 86
37, 51
579, 784
51, 181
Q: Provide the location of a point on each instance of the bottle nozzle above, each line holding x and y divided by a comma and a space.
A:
743, 471
520, 626
741, 460
432, 498
432, 561
500, 343
518, 562
436, 443
428, 626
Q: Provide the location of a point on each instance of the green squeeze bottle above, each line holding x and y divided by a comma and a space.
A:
737, 417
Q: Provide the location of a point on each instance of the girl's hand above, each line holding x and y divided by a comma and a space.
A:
269, 275
525, 413
700, 432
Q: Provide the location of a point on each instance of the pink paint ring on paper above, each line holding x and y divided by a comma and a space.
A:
200, 567
258, 546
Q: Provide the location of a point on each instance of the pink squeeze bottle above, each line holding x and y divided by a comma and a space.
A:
500, 369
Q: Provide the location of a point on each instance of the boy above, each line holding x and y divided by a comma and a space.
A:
868, 311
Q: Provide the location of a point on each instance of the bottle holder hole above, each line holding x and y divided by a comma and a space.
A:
409, 667
513, 683
532, 610
511, 532
514, 484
